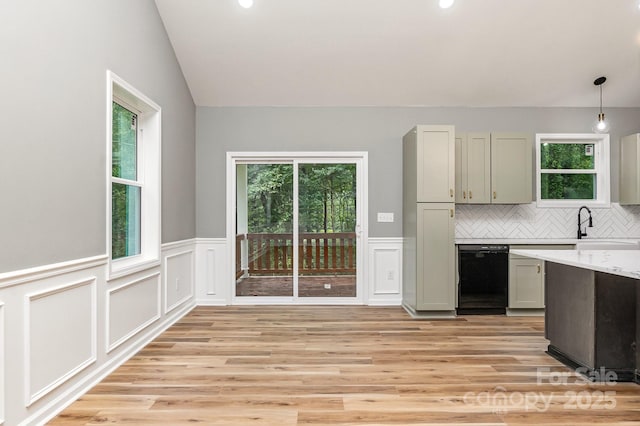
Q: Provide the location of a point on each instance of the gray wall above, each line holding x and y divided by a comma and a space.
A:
374, 129
53, 119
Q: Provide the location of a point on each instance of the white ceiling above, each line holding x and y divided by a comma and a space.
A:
407, 52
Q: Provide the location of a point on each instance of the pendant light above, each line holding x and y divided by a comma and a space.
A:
601, 125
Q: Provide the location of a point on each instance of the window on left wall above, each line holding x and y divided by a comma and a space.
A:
126, 188
133, 139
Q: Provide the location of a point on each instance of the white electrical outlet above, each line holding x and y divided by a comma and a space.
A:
385, 217
327, 286
391, 275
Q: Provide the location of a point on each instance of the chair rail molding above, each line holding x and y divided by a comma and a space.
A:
23, 276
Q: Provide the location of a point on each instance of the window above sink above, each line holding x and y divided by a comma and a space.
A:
572, 169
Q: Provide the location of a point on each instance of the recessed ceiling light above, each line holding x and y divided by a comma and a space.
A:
246, 3
446, 4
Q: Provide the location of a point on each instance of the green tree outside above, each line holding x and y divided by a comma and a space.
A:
567, 186
327, 198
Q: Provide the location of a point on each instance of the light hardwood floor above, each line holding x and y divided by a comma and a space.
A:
315, 365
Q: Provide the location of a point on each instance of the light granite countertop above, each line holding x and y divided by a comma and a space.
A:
617, 262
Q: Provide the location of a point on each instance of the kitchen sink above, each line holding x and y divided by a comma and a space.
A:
607, 245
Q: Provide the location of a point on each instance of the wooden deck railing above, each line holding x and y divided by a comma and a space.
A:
272, 254
327, 253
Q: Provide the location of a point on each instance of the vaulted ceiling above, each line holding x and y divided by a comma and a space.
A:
407, 52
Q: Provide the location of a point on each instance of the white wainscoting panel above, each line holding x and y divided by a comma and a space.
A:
213, 273
385, 271
131, 307
60, 325
210, 259
2, 355
59, 335
178, 278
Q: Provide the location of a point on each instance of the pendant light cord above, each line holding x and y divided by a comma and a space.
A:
601, 99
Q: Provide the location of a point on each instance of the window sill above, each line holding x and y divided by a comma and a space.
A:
566, 204
123, 267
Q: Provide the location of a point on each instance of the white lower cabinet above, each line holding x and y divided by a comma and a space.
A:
435, 266
429, 259
526, 283
526, 277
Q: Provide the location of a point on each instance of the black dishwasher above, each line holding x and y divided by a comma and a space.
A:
483, 272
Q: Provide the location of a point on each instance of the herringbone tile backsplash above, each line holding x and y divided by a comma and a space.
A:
529, 221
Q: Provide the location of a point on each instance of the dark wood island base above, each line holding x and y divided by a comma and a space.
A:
592, 322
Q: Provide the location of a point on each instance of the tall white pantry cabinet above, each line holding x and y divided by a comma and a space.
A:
428, 220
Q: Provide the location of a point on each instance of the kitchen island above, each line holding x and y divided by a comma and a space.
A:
592, 310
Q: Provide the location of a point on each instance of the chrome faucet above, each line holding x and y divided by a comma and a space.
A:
580, 233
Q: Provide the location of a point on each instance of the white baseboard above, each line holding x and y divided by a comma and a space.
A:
396, 301
429, 314
211, 302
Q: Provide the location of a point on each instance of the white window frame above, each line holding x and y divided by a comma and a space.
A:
148, 179
602, 168
361, 159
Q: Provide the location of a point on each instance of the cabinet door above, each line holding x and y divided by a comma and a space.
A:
630, 169
511, 168
478, 153
526, 283
461, 168
436, 164
435, 275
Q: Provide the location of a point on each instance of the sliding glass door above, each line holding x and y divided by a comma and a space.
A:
296, 223
264, 237
327, 242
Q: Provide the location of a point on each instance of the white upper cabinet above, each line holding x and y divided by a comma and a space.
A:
630, 169
494, 168
473, 168
430, 151
511, 168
